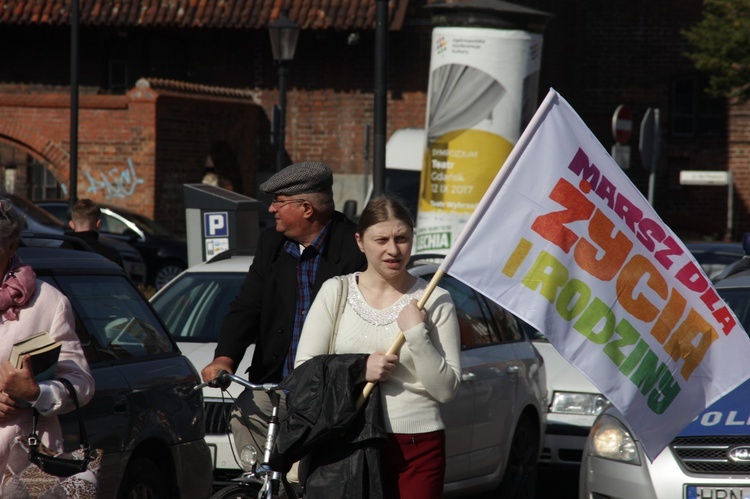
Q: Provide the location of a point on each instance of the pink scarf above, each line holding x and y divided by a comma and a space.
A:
17, 289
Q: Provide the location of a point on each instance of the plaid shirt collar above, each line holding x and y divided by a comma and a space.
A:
320, 243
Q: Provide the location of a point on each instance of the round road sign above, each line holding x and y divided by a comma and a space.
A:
622, 124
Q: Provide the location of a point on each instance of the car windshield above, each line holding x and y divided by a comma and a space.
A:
738, 300
120, 323
147, 225
195, 304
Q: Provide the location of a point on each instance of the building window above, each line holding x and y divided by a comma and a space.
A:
42, 184
694, 111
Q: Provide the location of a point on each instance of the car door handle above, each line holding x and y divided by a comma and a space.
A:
468, 377
512, 370
121, 405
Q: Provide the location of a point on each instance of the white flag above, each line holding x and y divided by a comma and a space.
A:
563, 239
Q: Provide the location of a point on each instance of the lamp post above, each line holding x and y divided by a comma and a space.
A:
284, 33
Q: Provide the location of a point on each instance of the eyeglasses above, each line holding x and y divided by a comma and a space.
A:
278, 203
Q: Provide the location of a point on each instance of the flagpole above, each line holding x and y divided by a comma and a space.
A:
505, 170
399, 341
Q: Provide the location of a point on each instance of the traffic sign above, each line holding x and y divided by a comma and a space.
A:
699, 177
622, 124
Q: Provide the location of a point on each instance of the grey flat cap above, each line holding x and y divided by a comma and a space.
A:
299, 178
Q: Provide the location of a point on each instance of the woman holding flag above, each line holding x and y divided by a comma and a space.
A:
425, 372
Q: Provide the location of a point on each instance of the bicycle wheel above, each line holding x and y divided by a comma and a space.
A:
249, 491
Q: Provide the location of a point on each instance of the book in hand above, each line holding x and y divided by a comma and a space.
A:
44, 353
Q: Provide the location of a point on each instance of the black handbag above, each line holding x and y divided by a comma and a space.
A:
34, 471
59, 466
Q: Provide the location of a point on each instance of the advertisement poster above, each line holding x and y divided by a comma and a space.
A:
481, 94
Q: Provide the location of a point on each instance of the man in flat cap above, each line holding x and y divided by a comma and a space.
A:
310, 244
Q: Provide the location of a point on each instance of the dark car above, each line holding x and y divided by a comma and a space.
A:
145, 414
715, 256
164, 253
40, 221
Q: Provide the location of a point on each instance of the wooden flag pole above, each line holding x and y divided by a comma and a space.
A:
399, 341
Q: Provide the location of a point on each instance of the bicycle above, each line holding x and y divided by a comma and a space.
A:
262, 482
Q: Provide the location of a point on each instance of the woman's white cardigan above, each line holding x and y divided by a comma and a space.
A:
429, 369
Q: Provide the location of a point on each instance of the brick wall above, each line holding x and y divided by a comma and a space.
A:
136, 151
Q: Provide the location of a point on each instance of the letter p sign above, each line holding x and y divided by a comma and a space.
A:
215, 224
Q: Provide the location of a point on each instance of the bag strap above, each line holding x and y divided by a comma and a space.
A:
81, 426
340, 305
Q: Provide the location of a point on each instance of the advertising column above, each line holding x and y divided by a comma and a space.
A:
482, 92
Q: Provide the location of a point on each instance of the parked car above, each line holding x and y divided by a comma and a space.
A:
710, 458
164, 253
493, 427
40, 221
714, 256
145, 414
574, 403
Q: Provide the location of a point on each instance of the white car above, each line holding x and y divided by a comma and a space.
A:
494, 426
574, 404
709, 459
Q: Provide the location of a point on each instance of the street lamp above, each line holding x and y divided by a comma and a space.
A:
284, 33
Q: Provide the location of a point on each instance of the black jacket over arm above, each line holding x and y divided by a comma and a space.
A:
340, 444
263, 312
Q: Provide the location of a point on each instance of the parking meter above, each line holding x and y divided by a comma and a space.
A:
218, 220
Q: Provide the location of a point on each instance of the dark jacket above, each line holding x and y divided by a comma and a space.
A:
340, 444
263, 312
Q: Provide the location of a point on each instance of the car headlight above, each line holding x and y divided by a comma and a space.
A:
589, 404
249, 456
611, 440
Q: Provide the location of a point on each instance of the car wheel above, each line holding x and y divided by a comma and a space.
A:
142, 480
166, 272
519, 480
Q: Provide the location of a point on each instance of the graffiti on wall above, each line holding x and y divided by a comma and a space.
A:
115, 182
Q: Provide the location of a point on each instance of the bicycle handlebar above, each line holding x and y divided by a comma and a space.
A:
224, 378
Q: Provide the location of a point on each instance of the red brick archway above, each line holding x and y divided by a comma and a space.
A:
47, 151
120, 160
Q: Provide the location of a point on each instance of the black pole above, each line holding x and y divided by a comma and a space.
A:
73, 183
381, 96
283, 72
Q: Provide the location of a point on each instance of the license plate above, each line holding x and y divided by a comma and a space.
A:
717, 492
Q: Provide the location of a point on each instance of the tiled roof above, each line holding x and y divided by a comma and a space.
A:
224, 14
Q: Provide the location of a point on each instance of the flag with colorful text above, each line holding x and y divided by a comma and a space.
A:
563, 239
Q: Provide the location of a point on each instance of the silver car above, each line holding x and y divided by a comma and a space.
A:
494, 426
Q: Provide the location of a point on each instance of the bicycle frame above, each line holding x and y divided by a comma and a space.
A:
265, 476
